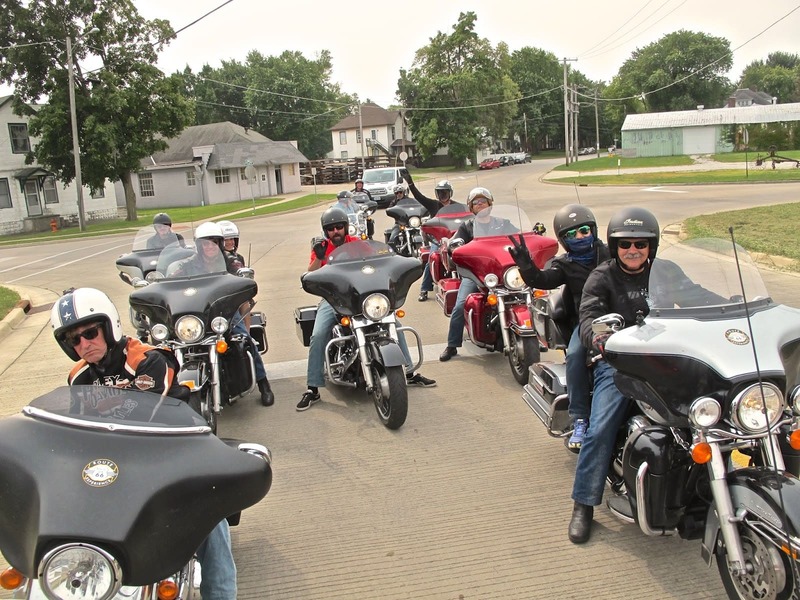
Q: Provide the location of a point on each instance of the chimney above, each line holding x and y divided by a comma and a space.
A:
732, 102
774, 99
700, 107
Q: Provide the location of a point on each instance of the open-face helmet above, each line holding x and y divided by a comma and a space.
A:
479, 192
162, 219
571, 217
443, 190
81, 306
208, 231
344, 196
633, 222
333, 216
230, 232
399, 189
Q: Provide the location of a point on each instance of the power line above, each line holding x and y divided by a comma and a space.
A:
601, 42
252, 89
185, 27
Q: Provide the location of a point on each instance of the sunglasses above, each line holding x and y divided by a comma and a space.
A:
583, 230
73, 339
479, 201
331, 228
640, 244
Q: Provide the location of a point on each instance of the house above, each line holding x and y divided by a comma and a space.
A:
385, 134
700, 131
746, 97
215, 164
30, 195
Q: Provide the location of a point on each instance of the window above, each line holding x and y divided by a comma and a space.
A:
50, 191
18, 133
5, 194
100, 193
394, 136
222, 176
358, 136
190, 178
146, 188
373, 134
342, 138
242, 176
344, 155
291, 169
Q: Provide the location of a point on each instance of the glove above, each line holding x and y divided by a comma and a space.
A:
320, 248
519, 252
599, 343
406, 175
539, 229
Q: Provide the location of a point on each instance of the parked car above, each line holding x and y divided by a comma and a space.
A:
585, 151
506, 160
521, 157
489, 163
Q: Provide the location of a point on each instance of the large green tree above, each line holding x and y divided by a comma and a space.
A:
458, 91
125, 107
539, 77
778, 76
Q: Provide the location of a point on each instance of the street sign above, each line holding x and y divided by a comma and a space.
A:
250, 173
404, 156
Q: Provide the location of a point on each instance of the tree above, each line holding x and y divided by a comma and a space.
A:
458, 91
540, 78
779, 76
126, 108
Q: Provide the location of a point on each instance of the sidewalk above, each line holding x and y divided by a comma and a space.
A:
700, 165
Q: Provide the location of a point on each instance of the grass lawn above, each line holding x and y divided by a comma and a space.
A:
755, 175
610, 162
8, 299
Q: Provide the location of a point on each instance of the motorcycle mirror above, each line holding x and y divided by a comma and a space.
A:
246, 272
609, 323
139, 283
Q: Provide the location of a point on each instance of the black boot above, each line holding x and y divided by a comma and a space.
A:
580, 526
267, 397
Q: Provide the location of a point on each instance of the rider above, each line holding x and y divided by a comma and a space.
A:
444, 197
87, 327
576, 229
334, 228
479, 201
359, 188
400, 193
164, 235
344, 200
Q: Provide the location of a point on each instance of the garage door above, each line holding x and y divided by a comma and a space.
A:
699, 140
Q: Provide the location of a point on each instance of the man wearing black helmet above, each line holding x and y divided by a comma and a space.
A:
164, 235
576, 229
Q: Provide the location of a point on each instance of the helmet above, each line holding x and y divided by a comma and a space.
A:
359, 180
84, 305
633, 222
208, 231
333, 216
344, 195
162, 219
399, 188
443, 186
479, 192
229, 230
572, 216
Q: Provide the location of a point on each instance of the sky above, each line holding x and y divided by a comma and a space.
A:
371, 41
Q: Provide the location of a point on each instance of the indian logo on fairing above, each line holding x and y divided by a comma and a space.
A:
100, 472
144, 382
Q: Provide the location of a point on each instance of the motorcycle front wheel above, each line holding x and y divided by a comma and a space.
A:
203, 404
772, 575
524, 351
390, 395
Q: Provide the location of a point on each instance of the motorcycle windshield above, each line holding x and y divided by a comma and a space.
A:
357, 269
142, 261
446, 222
139, 475
147, 238
405, 209
177, 261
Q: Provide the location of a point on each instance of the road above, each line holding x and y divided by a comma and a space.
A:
470, 499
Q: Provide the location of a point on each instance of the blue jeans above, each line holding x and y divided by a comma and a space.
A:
217, 568
240, 327
578, 379
609, 408
455, 335
427, 278
321, 335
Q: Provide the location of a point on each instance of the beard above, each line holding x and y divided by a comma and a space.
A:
337, 239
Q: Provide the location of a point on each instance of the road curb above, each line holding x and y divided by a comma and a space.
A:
15, 317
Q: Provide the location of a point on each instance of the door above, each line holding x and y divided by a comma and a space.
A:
278, 181
32, 200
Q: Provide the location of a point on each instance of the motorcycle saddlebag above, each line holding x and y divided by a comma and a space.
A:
304, 321
447, 292
237, 375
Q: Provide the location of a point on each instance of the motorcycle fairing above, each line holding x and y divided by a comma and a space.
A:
446, 222
405, 209
171, 489
484, 255
360, 268
218, 294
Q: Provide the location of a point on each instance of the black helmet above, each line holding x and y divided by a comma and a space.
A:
333, 216
443, 186
633, 222
572, 216
162, 219
344, 195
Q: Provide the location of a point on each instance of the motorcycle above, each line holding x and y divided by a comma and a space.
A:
408, 215
142, 260
91, 509
194, 316
711, 448
360, 222
366, 283
497, 317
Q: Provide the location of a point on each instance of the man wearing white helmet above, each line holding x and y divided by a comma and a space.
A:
87, 327
208, 240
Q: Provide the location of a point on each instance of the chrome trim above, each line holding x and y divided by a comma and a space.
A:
72, 421
641, 505
257, 450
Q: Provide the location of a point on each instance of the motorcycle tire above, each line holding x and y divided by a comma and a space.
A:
524, 352
390, 396
203, 404
773, 574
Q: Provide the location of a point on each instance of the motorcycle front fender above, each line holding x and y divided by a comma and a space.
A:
519, 319
195, 373
759, 492
390, 354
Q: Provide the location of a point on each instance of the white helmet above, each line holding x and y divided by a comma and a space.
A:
399, 188
229, 229
84, 305
209, 229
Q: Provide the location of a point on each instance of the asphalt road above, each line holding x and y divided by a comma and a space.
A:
470, 499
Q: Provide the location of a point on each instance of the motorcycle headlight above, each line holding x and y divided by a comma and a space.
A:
414, 222
747, 409
705, 412
159, 332
512, 279
189, 329
376, 306
79, 571
491, 280
351, 229
219, 325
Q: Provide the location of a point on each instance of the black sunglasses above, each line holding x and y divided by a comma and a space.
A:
73, 339
337, 227
583, 230
640, 244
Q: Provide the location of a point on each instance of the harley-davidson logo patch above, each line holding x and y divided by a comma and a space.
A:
737, 336
144, 382
100, 472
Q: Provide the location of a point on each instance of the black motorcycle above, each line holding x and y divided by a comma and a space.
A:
408, 215
142, 260
366, 282
107, 493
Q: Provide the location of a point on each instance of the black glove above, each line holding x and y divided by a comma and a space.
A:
520, 253
406, 175
599, 343
320, 248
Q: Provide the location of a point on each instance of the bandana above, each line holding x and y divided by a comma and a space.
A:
581, 250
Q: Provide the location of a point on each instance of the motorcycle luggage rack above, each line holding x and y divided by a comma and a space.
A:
549, 405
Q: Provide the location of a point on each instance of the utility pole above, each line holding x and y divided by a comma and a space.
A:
596, 125
76, 151
575, 108
361, 135
525, 122
566, 112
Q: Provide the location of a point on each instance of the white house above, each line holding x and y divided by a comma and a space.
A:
215, 164
30, 195
385, 134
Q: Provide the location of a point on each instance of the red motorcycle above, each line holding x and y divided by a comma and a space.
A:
497, 316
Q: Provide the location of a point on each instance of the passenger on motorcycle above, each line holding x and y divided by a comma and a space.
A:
235, 261
209, 258
479, 202
444, 197
334, 229
87, 327
576, 229
164, 235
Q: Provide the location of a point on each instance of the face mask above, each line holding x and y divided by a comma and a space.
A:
580, 246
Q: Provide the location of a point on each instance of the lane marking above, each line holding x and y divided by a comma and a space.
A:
52, 256
666, 191
62, 265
